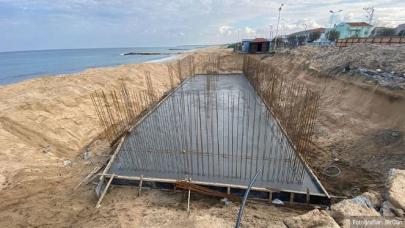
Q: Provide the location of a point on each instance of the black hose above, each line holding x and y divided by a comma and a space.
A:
242, 206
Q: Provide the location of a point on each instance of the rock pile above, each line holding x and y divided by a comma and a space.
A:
369, 204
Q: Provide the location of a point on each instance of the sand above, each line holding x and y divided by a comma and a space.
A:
47, 121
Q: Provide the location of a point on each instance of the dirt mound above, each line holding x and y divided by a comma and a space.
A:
371, 56
360, 128
376, 64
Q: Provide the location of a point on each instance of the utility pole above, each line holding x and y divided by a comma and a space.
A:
278, 22
270, 31
370, 13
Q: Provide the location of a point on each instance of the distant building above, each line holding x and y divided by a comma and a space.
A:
400, 30
258, 45
379, 31
308, 32
353, 29
383, 31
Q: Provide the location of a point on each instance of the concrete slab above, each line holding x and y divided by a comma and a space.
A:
214, 128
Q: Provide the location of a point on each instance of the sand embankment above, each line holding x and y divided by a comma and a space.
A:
361, 124
47, 120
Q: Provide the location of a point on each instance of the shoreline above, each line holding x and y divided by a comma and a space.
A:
90, 69
162, 60
15, 79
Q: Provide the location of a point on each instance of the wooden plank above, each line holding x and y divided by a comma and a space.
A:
88, 177
203, 190
104, 192
112, 159
173, 181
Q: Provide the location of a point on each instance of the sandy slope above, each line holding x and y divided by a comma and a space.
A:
361, 125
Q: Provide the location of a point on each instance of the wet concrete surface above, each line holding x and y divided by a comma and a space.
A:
214, 128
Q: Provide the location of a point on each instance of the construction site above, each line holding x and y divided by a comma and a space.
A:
179, 143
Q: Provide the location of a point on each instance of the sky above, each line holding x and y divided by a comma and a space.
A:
64, 24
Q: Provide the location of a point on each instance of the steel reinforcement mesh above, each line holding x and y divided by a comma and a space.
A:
213, 128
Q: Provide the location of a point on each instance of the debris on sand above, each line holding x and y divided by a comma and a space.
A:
87, 155
345, 209
390, 80
370, 199
396, 188
380, 64
387, 137
314, 218
369, 204
67, 163
277, 202
387, 209
369, 56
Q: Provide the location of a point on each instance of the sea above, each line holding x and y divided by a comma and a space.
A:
22, 65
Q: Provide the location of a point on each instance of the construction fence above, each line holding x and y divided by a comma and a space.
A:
371, 40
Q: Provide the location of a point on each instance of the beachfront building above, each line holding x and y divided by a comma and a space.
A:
400, 30
253, 46
382, 31
307, 33
353, 29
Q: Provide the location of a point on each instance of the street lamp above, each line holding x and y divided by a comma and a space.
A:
278, 22
270, 31
333, 15
332, 19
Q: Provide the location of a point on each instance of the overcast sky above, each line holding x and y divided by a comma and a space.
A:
57, 24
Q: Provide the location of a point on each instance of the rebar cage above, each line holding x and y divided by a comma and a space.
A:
215, 128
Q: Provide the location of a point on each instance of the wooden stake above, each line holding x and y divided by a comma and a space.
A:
308, 196
270, 196
105, 191
291, 197
188, 200
140, 186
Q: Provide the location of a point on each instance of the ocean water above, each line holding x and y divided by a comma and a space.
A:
22, 65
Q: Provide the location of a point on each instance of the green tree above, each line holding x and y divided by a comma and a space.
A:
401, 33
333, 35
314, 36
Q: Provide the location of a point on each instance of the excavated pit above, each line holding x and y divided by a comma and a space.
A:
217, 131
